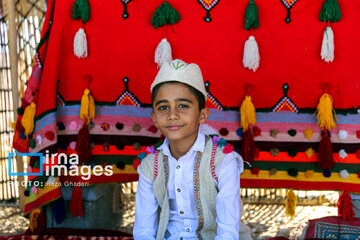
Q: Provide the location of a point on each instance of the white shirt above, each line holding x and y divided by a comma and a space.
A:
183, 218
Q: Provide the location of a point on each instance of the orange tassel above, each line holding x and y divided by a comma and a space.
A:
325, 152
345, 206
83, 145
76, 207
37, 221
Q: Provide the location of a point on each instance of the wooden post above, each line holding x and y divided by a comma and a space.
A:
14, 84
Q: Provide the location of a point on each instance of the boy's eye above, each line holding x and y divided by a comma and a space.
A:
162, 108
183, 106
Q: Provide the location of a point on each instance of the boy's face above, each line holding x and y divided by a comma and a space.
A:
176, 113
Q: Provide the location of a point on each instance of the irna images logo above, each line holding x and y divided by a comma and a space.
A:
64, 165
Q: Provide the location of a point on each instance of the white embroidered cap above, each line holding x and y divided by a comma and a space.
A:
179, 71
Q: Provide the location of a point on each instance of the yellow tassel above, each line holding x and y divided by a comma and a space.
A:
290, 203
309, 152
27, 121
87, 109
308, 133
247, 113
309, 173
33, 219
325, 112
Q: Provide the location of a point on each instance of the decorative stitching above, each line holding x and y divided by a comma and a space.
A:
196, 183
213, 164
166, 170
156, 164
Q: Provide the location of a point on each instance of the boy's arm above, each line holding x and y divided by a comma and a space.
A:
146, 206
227, 199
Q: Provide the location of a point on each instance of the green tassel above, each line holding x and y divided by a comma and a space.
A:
251, 16
32, 143
81, 10
164, 14
330, 11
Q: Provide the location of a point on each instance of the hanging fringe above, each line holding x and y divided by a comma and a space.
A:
37, 222
80, 44
118, 199
87, 108
327, 47
247, 113
163, 52
76, 207
325, 152
345, 206
27, 121
248, 147
325, 112
251, 58
83, 144
290, 203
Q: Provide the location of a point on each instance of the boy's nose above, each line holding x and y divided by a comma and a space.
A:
173, 114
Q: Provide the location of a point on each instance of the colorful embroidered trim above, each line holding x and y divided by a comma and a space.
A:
213, 164
285, 103
156, 164
127, 95
208, 5
214, 103
288, 4
197, 199
166, 170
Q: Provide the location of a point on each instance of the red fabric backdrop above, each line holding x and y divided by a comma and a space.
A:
289, 52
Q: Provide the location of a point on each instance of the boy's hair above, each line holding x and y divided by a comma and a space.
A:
198, 95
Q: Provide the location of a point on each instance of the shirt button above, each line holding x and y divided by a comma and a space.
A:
181, 212
178, 167
188, 229
179, 190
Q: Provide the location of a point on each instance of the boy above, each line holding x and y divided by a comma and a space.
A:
189, 188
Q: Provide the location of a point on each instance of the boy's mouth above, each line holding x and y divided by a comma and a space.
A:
174, 127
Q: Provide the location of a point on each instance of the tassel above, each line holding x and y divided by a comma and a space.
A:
345, 206
59, 210
87, 108
27, 121
76, 207
118, 199
325, 112
165, 14
83, 145
330, 11
290, 204
80, 44
251, 58
37, 221
81, 9
325, 152
247, 113
248, 147
251, 16
327, 48
163, 52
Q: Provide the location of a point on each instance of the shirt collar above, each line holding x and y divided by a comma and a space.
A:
199, 145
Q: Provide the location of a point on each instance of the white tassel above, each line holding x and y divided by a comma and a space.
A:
163, 52
327, 48
80, 44
251, 57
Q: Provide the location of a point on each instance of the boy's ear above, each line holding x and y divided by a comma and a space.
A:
204, 115
153, 119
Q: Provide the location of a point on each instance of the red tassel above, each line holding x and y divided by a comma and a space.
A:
37, 223
345, 206
83, 145
248, 146
76, 207
325, 152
